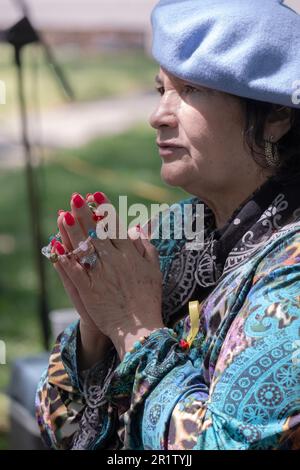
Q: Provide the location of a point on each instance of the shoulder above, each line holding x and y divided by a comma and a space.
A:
283, 248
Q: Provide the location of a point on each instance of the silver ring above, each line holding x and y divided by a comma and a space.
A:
89, 261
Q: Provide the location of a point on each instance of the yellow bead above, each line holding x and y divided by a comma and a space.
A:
53, 257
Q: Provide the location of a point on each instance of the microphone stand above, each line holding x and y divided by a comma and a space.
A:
20, 35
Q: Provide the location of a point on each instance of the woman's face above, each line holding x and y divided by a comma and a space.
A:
207, 128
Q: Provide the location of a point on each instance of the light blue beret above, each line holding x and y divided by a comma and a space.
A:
249, 48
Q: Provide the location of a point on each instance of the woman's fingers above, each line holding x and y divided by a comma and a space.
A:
76, 273
83, 213
73, 293
74, 225
116, 230
73, 229
150, 253
134, 235
64, 234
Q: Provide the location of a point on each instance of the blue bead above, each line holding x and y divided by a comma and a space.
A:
92, 234
137, 345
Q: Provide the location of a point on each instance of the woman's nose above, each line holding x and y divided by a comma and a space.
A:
163, 115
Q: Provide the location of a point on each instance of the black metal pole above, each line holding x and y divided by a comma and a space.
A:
34, 202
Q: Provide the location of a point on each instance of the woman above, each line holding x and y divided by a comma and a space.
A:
228, 132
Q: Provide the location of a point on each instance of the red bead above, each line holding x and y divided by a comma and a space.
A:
96, 217
184, 344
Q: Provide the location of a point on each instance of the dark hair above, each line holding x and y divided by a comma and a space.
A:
257, 114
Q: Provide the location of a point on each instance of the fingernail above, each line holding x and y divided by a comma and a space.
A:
138, 227
53, 241
59, 248
60, 211
69, 219
99, 197
78, 201
88, 195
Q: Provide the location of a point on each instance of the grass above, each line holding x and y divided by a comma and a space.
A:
92, 75
127, 164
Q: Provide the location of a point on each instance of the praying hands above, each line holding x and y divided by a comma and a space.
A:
115, 284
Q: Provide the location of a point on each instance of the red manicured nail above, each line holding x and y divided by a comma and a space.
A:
78, 201
99, 197
138, 227
88, 195
60, 211
69, 218
53, 241
59, 248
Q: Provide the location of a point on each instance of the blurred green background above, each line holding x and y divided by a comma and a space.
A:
122, 164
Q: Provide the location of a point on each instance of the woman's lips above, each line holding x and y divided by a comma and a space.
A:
166, 151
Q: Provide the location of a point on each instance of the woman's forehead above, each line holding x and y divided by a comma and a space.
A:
164, 77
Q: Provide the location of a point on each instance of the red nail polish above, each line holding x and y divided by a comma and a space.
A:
78, 201
88, 195
59, 248
53, 241
69, 219
99, 197
138, 227
60, 211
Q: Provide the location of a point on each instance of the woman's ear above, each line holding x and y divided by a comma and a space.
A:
278, 123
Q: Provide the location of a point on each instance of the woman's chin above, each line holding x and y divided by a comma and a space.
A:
172, 176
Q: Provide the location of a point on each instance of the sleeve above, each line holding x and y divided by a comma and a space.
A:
249, 399
70, 406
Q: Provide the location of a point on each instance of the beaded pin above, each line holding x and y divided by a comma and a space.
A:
194, 311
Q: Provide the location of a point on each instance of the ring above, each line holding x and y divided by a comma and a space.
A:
89, 261
86, 254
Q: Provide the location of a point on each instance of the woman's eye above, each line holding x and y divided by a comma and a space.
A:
186, 89
160, 90
190, 89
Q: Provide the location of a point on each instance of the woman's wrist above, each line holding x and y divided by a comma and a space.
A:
124, 340
92, 346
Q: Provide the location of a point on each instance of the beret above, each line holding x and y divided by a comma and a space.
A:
248, 48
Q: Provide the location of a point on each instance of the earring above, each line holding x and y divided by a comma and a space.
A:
271, 152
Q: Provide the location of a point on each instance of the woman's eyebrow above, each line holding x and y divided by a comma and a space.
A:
158, 80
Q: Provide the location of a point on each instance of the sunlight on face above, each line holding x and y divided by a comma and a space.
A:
206, 126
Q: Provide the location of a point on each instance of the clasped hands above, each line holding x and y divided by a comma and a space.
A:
119, 300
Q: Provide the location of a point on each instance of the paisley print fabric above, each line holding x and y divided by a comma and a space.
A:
238, 387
